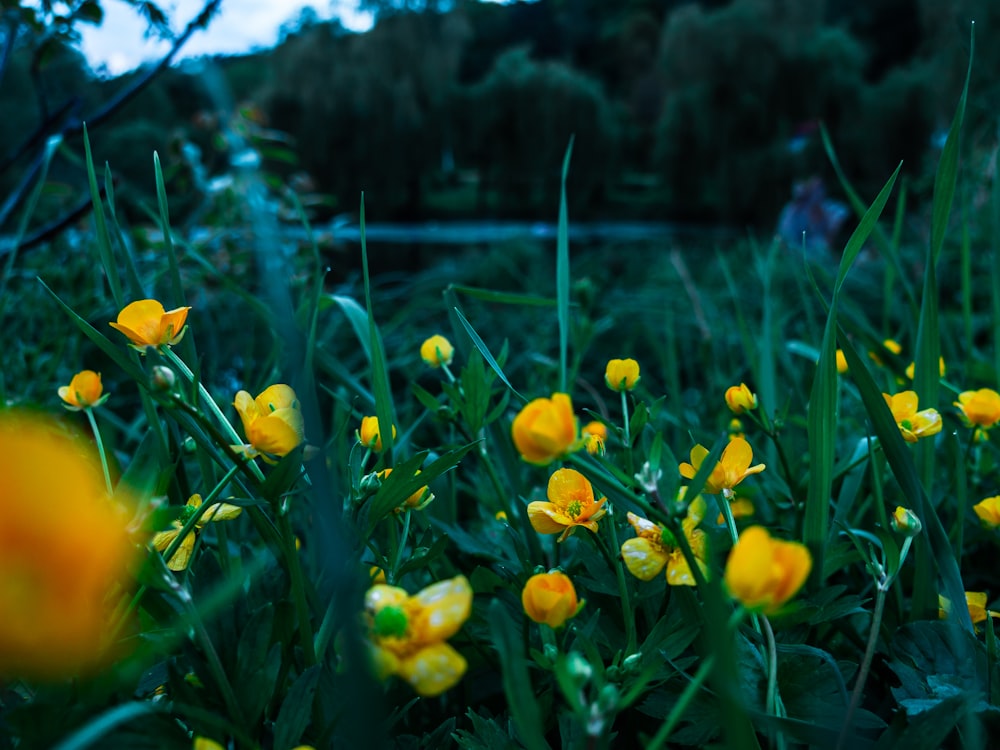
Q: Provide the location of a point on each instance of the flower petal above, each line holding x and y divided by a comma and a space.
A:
433, 669
444, 606
547, 518
643, 558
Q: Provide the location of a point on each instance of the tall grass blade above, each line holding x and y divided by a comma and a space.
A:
478, 342
103, 238
562, 273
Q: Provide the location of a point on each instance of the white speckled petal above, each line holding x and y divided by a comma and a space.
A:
643, 559
444, 606
433, 670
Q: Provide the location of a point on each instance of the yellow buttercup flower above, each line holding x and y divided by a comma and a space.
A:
841, 362
545, 429
65, 551
146, 323
369, 434
892, 345
739, 399
437, 351
733, 467
272, 422
418, 500
571, 504
980, 408
975, 601
205, 743
621, 374
408, 633
763, 573
550, 598
654, 547
913, 424
988, 511
910, 368
84, 391
181, 557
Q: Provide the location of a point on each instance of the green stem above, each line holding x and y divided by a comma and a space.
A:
629, 461
100, 449
400, 546
866, 663
677, 712
615, 562
773, 699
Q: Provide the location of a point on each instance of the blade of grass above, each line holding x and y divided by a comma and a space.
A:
135, 286
562, 272
484, 350
103, 238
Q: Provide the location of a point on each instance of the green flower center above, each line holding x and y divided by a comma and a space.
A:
186, 513
390, 621
667, 537
906, 424
574, 508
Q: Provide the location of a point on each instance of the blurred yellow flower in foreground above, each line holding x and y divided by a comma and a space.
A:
181, 558
369, 434
272, 422
981, 408
550, 598
146, 323
988, 511
733, 467
64, 553
571, 504
621, 374
913, 424
545, 429
654, 547
408, 633
84, 391
437, 351
739, 399
975, 601
764, 573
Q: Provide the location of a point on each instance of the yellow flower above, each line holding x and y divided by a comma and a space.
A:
272, 422
83, 392
981, 408
988, 511
654, 547
841, 362
598, 429
146, 323
369, 434
418, 500
740, 507
437, 351
65, 551
975, 601
205, 743
764, 573
181, 557
500, 516
571, 504
735, 429
904, 521
408, 633
595, 434
621, 374
892, 345
545, 429
912, 366
550, 598
376, 574
739, 399
913, 424
733, 467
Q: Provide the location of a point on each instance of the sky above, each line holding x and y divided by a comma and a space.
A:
119, 44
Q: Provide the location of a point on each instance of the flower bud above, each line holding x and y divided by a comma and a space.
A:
621, 374
162, 378
740, 399
904, 521
550, 598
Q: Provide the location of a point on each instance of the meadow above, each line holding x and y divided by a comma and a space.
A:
633, 496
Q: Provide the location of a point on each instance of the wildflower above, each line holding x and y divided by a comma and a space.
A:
376, 574
980, 408
571, 504
736, 429
500, 516
764, 573
891, 345
913, 424
545, 429
418, 500
621, 374
181, 557
369, 434
740, 507
550, 598
437, 351
910, 368
272, 422
146, 323
739, 399
83, 392
205, 743
988, 511
733, 467
975, 601
64, 553
595, 434
408, 633
841, 362
654, 547
904, 521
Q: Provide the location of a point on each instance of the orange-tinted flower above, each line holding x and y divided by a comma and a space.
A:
988, 511
83, 392
437, 351
980, 408
654, 547
739, 399
272, 422
181, 557
545, 429
146, 323
763, 573
733, 467
408, 633
621, 374
369, 434
912, 424
550, 598
571, 504
64, 553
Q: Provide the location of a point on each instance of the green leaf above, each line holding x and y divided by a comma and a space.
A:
484, 350
562, 272
103, 238
296, 710
281, 478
